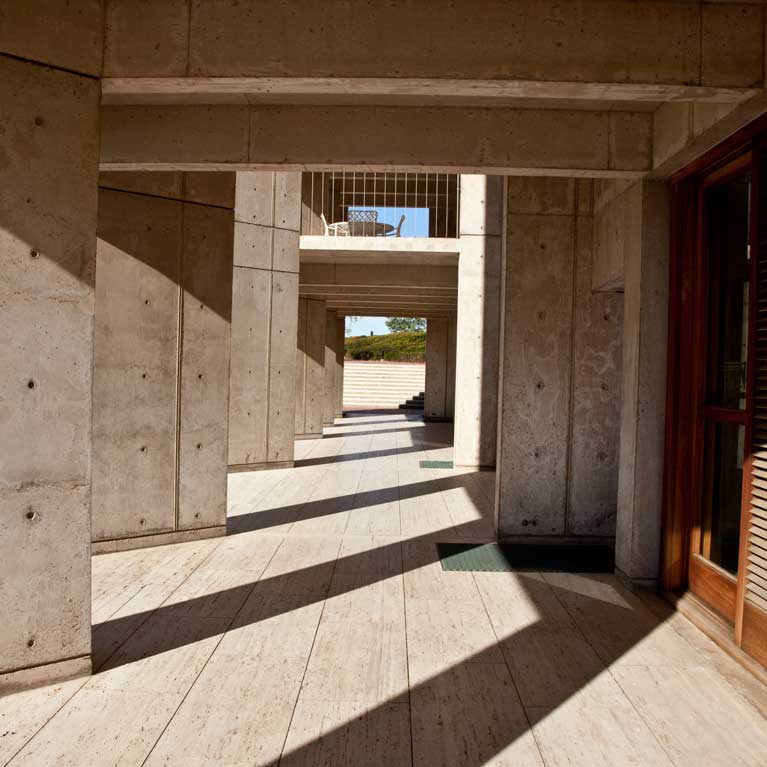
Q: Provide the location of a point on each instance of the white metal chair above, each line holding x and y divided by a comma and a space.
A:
338, 229
396, 232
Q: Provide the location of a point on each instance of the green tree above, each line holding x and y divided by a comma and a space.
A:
406, 324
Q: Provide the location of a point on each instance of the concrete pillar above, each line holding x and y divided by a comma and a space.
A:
160, 390
329, 394
477, 327
560, 370
340, 355
439, 395
48, 199
333, 367
641, 222
264, 317
310, 369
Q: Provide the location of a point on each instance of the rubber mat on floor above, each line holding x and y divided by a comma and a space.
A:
436, 464
509, 557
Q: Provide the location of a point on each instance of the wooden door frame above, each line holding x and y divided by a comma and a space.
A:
684, 358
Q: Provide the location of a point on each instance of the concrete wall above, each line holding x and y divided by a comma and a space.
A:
310, 369
48, 180
644, 240
477, 325
439, 394
561, 370
160, 389
264, 317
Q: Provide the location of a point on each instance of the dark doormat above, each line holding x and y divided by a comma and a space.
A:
508, 557
436, 464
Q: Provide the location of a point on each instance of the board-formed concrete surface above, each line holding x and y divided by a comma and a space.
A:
323, 630
380, 384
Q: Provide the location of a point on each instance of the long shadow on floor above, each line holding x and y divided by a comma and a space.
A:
345, 457
262, 520
375, 431
464, 714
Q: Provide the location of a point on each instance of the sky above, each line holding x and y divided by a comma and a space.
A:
416, 224
364, 325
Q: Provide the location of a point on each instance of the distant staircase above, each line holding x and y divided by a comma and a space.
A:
414, 403
391, 385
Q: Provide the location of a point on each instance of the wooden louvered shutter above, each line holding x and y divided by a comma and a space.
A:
753, 564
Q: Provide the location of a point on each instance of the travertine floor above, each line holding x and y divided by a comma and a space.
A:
322, 631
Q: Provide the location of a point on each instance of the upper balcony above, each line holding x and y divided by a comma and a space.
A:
347, 216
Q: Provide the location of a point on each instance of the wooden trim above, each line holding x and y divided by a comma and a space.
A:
745, 514
716, 629
676, 476
716, 587
754, 633
687, 413
740, 141
723, 414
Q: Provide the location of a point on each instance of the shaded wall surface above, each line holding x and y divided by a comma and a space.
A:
310, 369
561, 369
439, 392
161, 376
264, 317
48, 200
478, 322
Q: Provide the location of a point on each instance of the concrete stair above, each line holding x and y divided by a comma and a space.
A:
371, 384
414, 403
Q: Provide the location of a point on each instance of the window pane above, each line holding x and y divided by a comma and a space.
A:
727, 216
721, 524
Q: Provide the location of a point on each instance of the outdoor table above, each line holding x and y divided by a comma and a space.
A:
369, 229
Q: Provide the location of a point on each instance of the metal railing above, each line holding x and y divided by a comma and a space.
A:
369, 204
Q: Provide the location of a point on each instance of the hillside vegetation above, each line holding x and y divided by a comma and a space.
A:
395, 347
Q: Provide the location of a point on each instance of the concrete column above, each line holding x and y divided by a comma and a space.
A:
340, 355
264, 317
640, 218
160, 390
48, 182
477, 328
329, 394
310, 369
439, 399
560, 371
334, 368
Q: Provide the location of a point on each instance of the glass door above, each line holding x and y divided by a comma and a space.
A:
724, 296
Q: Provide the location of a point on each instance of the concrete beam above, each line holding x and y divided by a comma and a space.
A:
351, 310
640, 43
377, 276
498, 141
682, 132
431, 251
401, 91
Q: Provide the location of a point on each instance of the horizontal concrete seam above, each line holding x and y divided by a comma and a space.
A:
266, 226
82, 656
35, 62
264, 269
190, 530
69, 484
164, 197
521, 212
